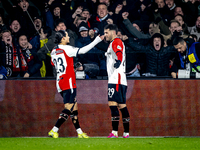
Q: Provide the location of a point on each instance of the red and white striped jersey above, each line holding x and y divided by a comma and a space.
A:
62, 59
116, 76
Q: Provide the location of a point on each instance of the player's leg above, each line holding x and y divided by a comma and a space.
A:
125, 113
125, 119
74, 117
114, 119
62, 118
67, 94
112, 103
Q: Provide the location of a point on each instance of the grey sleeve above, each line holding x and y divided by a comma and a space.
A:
134, 31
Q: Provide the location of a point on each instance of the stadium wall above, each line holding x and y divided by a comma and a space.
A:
157, 108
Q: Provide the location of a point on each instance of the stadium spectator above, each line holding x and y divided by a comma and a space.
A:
24, 14
62, 58
16, 31
160, 7
35, 38
175, 30
180, 19
188, 13
196, 29
171, 5
55, 10
45, 35
158, 19
193, 36
157, 56
90, 61
12, 58
20, 59
146, 14
187, 56
153, 28
77, 22
86, 13
100, 21
30, 56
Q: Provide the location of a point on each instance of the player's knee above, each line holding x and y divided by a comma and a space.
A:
114, 113
74, 116
65, 113
125, 115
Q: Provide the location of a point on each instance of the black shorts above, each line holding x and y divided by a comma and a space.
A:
117, 93
69, 96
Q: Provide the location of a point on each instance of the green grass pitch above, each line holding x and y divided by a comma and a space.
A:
133, 143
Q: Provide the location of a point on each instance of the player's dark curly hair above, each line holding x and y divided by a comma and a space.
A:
111, 27
58, 36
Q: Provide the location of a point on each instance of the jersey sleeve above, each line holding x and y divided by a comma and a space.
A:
69, 50
118, 48
117, 45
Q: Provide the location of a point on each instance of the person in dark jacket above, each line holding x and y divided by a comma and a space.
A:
187, 56
90, 60
30, 55
25, 14
157, 56
101, 19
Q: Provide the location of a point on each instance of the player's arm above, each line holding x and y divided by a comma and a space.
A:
88, 47
118, 49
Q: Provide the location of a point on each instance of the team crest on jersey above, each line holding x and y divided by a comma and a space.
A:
119, 47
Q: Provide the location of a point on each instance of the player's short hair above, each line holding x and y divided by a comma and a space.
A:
59, 35
111, 27
178, 40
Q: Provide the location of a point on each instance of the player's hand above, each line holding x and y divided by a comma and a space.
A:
102, 37
125, 15
117, 64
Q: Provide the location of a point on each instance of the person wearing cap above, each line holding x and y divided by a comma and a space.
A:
90, 61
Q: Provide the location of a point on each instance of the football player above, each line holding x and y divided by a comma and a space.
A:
117, 82
62, 58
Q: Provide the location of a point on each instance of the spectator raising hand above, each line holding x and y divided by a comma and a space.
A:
118, 9
78, 11
125, 15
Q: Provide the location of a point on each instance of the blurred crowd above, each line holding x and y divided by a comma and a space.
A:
147, 28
